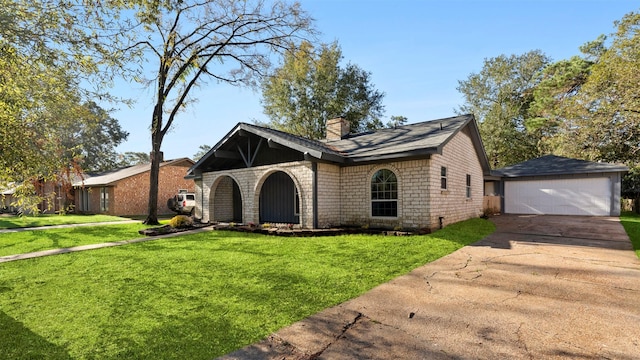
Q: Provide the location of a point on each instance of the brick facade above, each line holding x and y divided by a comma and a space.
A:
452, 205
344, 193
130, 196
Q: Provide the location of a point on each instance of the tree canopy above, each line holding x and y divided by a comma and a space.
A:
192, 42
586, 107
43, 61
500, 96
312, 87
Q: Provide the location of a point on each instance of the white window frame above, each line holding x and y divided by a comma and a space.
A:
384, 191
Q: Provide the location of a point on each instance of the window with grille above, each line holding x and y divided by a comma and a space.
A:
384, 194
468, 186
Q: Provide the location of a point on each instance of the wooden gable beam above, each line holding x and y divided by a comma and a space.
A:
250, 156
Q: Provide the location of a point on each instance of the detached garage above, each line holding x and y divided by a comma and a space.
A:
554, 185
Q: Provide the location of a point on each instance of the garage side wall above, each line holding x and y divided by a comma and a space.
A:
460, 159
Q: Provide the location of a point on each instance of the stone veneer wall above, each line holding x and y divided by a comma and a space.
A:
413, 203
460, 158
223, 207
344, 193
329, 202
250, 182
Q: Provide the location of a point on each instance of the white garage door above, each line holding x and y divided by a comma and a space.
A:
558, 197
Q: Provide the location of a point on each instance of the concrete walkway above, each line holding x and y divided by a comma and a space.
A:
540, 287
90, 246
67, 226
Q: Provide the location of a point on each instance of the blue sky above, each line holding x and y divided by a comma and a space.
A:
417, 51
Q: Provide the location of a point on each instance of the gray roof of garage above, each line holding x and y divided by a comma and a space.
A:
557, 165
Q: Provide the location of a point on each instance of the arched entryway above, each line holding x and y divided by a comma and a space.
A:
227, 201
279, 200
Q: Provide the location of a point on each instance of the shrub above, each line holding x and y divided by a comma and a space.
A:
180, 221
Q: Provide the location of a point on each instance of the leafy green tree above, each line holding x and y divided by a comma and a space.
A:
131, 158
607, 108
203, 150
92, 138
311, 87
500, 96
396, 121
552, 107
44, 57
36, 103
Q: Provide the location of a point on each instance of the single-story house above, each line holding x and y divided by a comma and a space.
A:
125, 191
6, 199
555, 185
422, 175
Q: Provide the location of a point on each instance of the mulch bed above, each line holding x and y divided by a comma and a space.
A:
281, 231
167, 229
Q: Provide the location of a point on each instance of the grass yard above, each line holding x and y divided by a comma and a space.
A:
37, 240
196, 296
631, 223
12, 222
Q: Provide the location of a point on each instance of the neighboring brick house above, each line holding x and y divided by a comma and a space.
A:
422, 175
126, 191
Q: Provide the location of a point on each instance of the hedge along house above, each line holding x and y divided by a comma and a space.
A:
125, 191
422, 175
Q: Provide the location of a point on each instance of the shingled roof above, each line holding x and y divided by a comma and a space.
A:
557, 165
111, 177
403, 142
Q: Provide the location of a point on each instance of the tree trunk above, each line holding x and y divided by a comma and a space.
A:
156, 159
152, 209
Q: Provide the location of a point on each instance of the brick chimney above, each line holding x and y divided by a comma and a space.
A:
337, 129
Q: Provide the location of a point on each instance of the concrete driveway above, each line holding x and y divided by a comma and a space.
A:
540, 287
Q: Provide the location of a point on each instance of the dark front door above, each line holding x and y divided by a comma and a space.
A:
278, 200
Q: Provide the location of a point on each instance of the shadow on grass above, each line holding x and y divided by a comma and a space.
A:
18, 342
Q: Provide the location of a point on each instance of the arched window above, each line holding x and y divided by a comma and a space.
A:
384, 194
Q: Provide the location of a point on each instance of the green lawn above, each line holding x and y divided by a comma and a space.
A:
631, 223
196, 296
38, 240
12, 222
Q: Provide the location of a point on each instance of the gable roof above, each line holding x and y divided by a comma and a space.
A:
403, 142
110, 177
557, 165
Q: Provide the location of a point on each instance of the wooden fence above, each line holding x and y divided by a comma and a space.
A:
491, 205
630, 205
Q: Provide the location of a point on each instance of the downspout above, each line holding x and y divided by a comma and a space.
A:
314, 169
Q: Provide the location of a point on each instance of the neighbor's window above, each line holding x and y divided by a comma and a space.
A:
104, 199
468, 186
443, 178
384, 194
